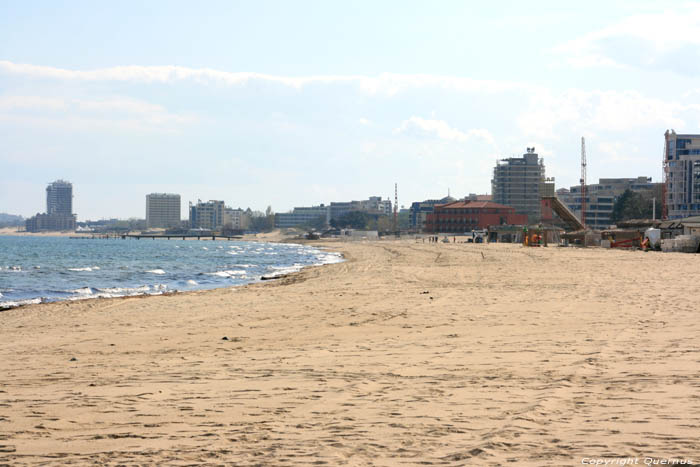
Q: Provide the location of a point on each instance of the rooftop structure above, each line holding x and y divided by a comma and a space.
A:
518, 182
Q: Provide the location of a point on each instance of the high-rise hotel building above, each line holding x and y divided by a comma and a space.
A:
519, 182
59, 198
162, 210
59, 210
682, 166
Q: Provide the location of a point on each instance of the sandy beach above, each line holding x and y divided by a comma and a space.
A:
407, 353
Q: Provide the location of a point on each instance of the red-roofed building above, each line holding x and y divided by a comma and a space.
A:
464, 216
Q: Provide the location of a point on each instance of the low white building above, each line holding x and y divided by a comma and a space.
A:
235, 219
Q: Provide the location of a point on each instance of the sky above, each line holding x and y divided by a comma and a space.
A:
283, 104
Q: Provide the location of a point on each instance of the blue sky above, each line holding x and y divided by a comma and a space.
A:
300, 103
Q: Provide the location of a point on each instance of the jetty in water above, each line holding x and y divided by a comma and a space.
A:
165, 236
183, 236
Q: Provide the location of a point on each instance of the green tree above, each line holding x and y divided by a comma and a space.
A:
381, 224
262, 222
353, 219
404, 220
318, 224
636, 205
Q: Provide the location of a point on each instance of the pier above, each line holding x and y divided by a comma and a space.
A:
155, 236
182, 236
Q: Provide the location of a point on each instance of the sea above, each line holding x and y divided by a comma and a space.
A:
47, 269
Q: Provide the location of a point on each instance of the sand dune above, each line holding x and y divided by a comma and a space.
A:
408, 353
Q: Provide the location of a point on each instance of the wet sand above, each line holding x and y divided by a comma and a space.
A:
408, 353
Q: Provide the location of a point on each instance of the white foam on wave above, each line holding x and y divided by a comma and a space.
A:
156, 271
82, 291
86, 269
191, 282
229, 273
231, 252
16, 303
123, 290
204, 248
112, 292
329, 258
278, 271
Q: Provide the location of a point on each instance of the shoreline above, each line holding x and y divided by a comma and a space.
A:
403, 353
262, 279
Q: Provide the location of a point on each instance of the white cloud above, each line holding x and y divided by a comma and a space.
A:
617, 151
85, 114
14, 103
666, 40
588, 112
441, 130
364, 121
387, 84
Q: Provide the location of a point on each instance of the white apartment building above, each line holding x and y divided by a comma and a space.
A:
235, 218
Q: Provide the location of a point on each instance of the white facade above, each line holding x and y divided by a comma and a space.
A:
302, 215
235, 219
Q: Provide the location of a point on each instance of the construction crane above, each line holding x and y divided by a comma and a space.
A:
583, 182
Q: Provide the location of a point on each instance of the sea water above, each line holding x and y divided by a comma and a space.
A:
44, 269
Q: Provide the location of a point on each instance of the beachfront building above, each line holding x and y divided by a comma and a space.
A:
465, 216
50, 223
682, 166
236, 219
375, 205
418, 213
59, 198
303, 216
601, 198
518, 181
59, 209
162, 210
207, 216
